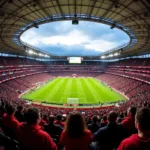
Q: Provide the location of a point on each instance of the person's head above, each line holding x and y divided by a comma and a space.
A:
132, 111
99, 120
75, 125
142, 119
112, 117
64, 118
32, 115
59, 117
121, 115
51, 119
20, 108
45, 117
105, 118
11, 110
2, 111
94, 119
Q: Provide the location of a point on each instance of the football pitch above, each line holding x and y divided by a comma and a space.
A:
87, 90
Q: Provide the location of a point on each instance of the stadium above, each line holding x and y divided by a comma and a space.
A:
77, 72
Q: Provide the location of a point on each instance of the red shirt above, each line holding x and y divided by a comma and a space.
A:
62, 124
129, 123
42, 123
10, 121
134, 142
80, 143
34, 138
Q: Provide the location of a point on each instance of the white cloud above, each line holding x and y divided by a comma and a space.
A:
63, 26
31, 37
72, 38
68, 37
100, 45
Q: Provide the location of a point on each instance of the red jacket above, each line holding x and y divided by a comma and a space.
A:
135, 143
80, 143
10, 121
129, 123
32, 137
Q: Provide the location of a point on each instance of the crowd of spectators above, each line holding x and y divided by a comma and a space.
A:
137, 91
33, 129
10, 90
37, 127
132, 62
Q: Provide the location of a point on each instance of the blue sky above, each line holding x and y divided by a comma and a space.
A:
86, 39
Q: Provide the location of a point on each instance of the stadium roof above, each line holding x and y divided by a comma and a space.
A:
131, 16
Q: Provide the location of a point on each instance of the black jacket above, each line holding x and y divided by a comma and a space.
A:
93, 127
53, 129
109, 137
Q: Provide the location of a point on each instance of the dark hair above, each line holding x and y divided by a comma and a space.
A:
51, 119
99, 120
132, 110
59, 117
19, 108
32, 115
112, 116
2, 109
121, 115
94, 119
41, 115
143, 118
10, 110
75, 125
45, 116
104, 117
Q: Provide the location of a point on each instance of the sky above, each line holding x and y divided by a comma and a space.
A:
85, 39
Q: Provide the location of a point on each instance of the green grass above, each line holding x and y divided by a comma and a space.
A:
87, 90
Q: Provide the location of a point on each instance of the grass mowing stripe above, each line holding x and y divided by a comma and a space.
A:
81, 93
51, 91
86, 93
111, 94
54, 95
96, 90
35, 95
104, 91
74, 93
88, 90
48, 91
93, 91
66, 92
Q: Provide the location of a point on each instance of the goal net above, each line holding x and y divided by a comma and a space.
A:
72, 101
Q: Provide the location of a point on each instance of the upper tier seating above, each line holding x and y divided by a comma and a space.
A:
11, 68
138, 69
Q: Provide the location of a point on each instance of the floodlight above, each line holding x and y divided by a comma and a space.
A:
30, 52
35, 25
75, 22
113, 26
111, 55
103, 57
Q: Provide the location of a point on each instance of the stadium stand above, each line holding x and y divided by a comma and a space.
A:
27, 125
12, 86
